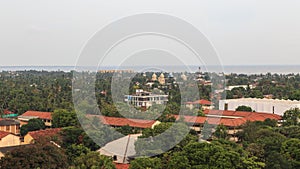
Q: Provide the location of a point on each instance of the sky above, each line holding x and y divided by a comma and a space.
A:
54, 32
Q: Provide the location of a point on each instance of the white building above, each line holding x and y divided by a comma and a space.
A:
121, 149
238, 86
145, 99
260, 105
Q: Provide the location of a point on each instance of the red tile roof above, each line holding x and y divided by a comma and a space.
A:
41, 115
44, 133
238, 119
201, 102
7, 112
242, 114
3, 134
122, 166
118, 121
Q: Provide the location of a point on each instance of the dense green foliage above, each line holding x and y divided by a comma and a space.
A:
292, 117
33, 125
77, 136
33, 90
244, 108
48, 91
43, 156
260, 144
64, 118
279, 86
142, 163
93, 160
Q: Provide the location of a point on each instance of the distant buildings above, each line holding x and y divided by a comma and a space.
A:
117, 71
45, 116
183, 77
8, 114
145, 99
273, 106
204, 104
239, 86
161, 79
154, 77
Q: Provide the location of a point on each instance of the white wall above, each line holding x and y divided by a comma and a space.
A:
260, 105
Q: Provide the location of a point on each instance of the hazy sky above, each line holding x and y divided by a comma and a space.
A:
53, 32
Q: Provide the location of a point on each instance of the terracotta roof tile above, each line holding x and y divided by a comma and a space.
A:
237, 118
118, 121
41, 115
44, 133
122, 166
202, 102
241, 113
3, 134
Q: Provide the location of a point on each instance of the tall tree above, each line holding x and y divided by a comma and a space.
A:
93, 160
244, 108
291, 117
64, 118
32, 125
43, 156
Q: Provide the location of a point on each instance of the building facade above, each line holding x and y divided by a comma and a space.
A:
7, 139
273, 106
203, 104
45, 116
145, 99
10, 126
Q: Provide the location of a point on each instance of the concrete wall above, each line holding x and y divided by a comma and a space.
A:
15, 129
116, 157
10, 140
266, 106
28, 139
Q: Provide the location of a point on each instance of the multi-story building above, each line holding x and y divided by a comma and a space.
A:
10, 126
145, 99
232, 120
273, 106
45, 116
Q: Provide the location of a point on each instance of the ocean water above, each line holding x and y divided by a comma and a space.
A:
240, 69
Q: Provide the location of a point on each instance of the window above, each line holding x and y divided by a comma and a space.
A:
7, 128
115, 158
226, 106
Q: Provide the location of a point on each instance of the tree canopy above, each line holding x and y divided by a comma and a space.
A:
244, 108
32, 125
43, 156
64, 118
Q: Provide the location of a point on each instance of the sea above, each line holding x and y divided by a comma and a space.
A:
227, 69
